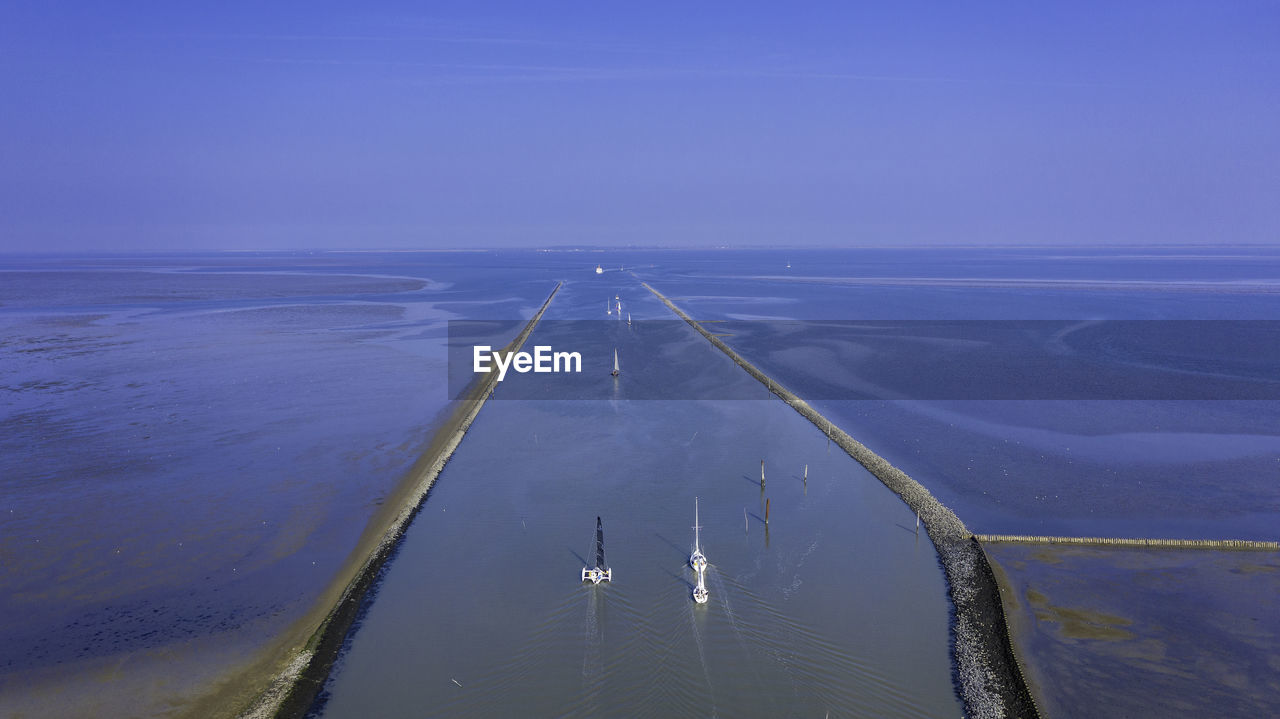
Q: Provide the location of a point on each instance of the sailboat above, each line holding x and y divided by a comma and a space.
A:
628, 319
601, 572
697, 560
615, 362
599, 270
608, 307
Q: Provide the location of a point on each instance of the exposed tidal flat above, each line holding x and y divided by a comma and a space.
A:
1183, 464
195, 450
1154, 632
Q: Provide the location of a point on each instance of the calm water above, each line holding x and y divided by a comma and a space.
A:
192, 444
836, 605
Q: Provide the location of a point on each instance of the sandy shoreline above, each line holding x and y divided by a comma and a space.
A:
283, 678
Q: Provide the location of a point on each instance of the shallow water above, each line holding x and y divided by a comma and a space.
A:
1152, 633
190, 447
1041, 464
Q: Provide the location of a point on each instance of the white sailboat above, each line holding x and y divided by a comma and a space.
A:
599, 270
697, 560
628, 319
601, 572
608, 307
615, 362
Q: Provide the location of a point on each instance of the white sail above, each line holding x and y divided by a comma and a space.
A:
697, 560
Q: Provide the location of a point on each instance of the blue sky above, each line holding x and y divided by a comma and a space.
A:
397, 125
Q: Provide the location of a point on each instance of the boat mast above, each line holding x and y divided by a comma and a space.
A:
697, 545
599, 544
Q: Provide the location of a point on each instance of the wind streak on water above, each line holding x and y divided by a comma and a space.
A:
592, 665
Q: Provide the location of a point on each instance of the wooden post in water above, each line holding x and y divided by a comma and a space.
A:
917, 522
766, 512
746, 526
762, 473
806, 474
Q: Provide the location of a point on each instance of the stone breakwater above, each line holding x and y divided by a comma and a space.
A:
303, 670
989, 677
1245, 544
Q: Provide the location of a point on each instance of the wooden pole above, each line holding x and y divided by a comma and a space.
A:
766, 511
762, 473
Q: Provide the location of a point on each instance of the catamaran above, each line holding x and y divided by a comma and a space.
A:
601, 572
615, 362
697, 560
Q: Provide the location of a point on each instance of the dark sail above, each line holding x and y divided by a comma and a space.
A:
599, 544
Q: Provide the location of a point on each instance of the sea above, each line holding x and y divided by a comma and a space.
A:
193, 445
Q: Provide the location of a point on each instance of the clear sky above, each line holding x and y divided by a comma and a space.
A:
265, 125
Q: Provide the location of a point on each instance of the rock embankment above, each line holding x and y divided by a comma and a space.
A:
305, 669
987, 672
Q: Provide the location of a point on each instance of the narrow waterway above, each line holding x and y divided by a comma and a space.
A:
835, 606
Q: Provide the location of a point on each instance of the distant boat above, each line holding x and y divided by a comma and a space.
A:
628, 319
601, 572
608, 307
700, 591
788, 264
697, 560
615, 362
599, 270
